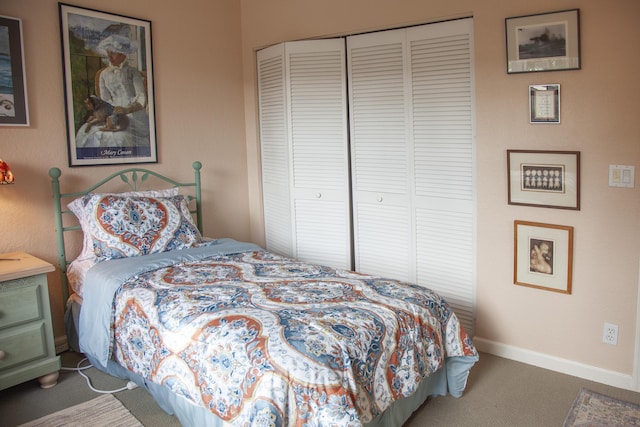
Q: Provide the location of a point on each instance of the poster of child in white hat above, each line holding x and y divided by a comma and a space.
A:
109, 87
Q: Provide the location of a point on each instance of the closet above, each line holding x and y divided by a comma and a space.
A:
368, 155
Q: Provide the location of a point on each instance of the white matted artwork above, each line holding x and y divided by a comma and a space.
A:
543, 256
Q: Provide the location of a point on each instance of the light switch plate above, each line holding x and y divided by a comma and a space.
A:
621, 176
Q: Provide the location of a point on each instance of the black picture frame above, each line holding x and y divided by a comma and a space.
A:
543, 42
545, 179
14, 110
102, 53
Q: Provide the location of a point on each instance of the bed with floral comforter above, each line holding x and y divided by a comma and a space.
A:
245, 337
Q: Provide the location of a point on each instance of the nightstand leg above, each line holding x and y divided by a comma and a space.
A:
49, 380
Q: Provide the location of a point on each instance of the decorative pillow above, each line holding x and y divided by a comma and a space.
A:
77, 206
127, 226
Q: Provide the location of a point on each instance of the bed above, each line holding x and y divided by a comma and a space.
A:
224, 333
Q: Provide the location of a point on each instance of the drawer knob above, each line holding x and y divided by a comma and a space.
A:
2, 354
319, 195
380, 198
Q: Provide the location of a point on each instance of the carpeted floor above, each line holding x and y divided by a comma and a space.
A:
500, 393
595, 409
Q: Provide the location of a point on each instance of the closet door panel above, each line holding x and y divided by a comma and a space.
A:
319, 146
444, 167
380, 156
274, 144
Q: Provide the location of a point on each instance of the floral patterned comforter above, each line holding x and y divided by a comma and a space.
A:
259, 339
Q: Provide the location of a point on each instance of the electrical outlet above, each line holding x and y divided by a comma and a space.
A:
610, 334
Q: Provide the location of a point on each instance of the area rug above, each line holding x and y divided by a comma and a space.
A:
105, 410
595, 410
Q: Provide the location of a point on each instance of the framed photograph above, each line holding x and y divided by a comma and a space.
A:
14, 110
547, 179
543, 256
543, 42
544, 103
108, 80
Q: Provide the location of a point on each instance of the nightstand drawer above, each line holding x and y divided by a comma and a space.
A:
23, 345
20, 302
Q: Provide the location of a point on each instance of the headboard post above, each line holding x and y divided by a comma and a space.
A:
55, 173
196, 171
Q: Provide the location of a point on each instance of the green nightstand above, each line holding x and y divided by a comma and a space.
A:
27, 350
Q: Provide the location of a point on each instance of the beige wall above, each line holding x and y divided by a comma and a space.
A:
199, 108
205, 101
599, 119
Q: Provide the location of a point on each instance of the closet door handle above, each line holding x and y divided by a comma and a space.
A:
2, 354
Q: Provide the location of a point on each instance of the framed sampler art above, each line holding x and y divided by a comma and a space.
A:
548, 179
543, 256
544, 103
543, 42
14, 110
108, 79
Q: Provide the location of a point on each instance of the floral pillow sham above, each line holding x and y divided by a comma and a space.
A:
120, 226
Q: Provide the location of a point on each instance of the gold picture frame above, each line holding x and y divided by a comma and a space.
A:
543, 256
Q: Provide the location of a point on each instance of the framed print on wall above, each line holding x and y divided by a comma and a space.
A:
108, 79
14, 110
544, 103
543, 42
548, 179
543, 256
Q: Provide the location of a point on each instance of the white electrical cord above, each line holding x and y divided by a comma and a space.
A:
130, 385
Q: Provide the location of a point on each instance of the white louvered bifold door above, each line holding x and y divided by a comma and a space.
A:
274, 143
316, 134
443, 147
380, 155
412, 139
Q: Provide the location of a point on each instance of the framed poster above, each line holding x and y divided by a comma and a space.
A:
548, 179
108, 80
543, 42
544, 103
543, 256
14, 110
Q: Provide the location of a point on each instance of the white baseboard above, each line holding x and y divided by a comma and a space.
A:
557, 364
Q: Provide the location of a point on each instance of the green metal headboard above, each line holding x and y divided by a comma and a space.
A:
133, 177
